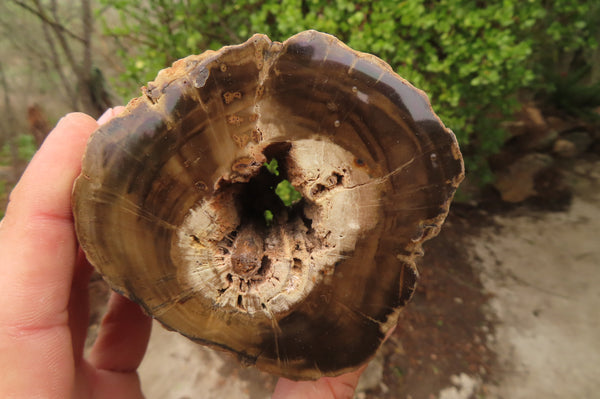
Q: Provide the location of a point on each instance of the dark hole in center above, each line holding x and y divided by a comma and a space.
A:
258, 194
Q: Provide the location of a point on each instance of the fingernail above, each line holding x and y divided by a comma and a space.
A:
106, 116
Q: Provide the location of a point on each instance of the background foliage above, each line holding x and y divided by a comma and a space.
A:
473, 58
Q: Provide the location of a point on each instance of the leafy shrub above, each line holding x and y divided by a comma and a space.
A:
26, 148
154, 33
571, 94
471, 57
569, 65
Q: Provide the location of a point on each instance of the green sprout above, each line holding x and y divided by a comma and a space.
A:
272, 167
288, 194
268, 217
284, 190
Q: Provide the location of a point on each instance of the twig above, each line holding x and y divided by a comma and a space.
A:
45, 19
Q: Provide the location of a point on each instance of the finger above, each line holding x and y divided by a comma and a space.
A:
341, 387
123, 337
109, 384
37, 254
109, 114
79, 305
37, 241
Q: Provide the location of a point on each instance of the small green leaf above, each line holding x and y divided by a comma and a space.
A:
27, 146
287, 193
272, 167
268, 217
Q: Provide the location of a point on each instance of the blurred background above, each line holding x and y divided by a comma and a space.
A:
509, 283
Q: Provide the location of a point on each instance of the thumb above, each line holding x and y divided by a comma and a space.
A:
340, 387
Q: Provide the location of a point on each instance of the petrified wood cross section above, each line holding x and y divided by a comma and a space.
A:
177, 209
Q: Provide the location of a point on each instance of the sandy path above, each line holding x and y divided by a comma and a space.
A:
544, 274
177, 368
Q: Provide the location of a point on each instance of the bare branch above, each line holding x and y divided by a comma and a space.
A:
46, 20
70, 93
61, 40
87, 23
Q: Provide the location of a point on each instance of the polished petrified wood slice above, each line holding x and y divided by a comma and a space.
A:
180, 207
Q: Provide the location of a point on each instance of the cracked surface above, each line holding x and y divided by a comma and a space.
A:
169, 206
249, 267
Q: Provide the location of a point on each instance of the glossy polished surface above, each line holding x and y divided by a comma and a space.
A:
170, 201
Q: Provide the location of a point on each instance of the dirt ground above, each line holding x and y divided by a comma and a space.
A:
544, 271
507, 307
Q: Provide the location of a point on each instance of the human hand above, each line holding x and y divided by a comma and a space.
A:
44, 294
44, 288
341, 387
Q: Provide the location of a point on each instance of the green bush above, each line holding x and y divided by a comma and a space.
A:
26, 148
569, 66
154, 33
471, 57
